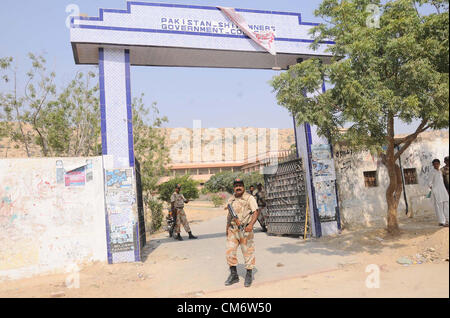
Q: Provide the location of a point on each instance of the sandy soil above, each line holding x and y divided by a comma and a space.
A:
421, 240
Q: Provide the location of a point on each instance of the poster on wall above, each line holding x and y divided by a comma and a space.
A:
322, 163
120, 197
122, 238
76, 177
326, 199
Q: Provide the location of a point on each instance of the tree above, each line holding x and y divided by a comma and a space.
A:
223, 181
73, 125
65, 124
152, 153
397, 71
188, 188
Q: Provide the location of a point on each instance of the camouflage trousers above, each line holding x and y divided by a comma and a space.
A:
181, 219
262, 215
247, 245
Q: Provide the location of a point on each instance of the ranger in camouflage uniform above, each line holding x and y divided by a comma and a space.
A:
177, 201
247, 212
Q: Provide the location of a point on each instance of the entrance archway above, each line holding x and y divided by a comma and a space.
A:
153, 34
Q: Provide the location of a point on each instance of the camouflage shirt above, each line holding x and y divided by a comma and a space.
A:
243, 206
178, 200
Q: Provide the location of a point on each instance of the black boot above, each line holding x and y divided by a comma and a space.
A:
233, 278
178, 237
192, 236
248, 278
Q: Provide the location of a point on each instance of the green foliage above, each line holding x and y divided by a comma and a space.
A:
149, 144
217, 199
223, 181
378, 75
396, 72
64, 124
188, 188
156, 208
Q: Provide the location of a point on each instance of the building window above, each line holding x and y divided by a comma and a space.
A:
203, 171
370, 179
180, 172
410, 176
214, 170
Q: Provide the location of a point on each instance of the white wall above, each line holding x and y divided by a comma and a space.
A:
360, 205
45, 225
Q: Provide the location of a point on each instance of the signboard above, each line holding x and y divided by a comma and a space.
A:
164, 29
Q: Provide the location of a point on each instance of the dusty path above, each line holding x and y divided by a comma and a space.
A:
286, 267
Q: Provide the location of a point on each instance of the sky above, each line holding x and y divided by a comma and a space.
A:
218, 97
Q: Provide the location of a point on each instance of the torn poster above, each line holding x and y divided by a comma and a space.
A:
264, 39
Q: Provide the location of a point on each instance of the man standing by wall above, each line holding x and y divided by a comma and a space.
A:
246, 209
177, 201
439, 193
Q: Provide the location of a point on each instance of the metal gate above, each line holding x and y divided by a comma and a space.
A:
286, 199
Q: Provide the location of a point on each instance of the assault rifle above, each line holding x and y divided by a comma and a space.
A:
235, 217
171, 221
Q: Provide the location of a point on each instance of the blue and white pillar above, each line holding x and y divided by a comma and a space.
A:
122, 224
115, 105
306, 139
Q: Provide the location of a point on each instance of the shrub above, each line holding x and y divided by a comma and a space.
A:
156, 208
223, 181
188, 188
218, 199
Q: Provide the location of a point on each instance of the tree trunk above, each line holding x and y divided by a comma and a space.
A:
394, 190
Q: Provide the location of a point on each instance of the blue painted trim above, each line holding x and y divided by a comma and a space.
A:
129, 109
101, 63
137, 250
128, 11
148, 4
295, 134
108, 237
313, 192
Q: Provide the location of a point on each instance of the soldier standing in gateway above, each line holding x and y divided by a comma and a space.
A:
177, 201
247, 212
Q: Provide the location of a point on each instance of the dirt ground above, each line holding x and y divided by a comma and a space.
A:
422, 242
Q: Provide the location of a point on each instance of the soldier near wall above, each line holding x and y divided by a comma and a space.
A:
177, 201
239, 232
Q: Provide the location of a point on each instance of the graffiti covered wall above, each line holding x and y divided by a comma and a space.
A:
362, 205
52, 214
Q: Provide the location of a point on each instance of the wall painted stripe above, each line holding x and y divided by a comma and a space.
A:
129, 109
101, 63
318, 227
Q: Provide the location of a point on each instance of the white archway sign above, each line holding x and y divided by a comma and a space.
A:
154, 34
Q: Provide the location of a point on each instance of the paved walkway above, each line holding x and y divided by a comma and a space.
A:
194, 267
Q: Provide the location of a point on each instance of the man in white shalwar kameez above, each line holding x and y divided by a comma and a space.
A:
439, 193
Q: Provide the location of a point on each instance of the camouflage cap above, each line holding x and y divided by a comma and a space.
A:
238, 180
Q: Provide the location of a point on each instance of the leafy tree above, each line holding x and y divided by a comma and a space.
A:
73, 123
152, 154
223, 181
188, 188
65, 124
398, 71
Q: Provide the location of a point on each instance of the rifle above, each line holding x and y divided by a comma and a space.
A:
241, 227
